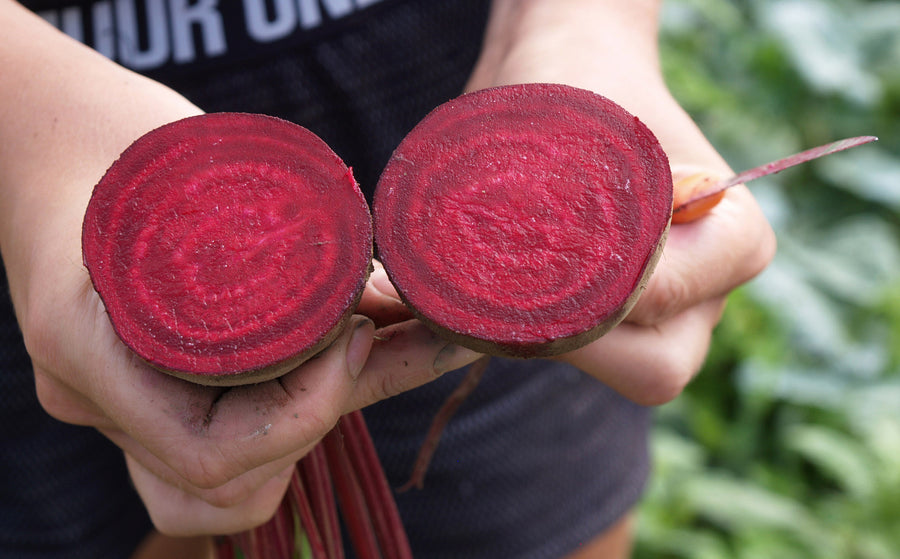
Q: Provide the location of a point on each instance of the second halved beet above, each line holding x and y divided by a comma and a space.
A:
228, 247
524, 220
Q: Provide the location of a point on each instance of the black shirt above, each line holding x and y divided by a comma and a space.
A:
538, 460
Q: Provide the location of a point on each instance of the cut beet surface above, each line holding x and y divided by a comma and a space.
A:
524, 220
228, 248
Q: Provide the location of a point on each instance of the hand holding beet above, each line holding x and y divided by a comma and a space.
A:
204, 459
213, 459
662, 343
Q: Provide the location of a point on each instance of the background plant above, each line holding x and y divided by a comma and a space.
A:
788, 443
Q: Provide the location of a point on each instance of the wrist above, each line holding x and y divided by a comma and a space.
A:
604, 46
66, 113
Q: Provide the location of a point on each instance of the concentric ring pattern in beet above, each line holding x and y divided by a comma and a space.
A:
522, 215
227, 243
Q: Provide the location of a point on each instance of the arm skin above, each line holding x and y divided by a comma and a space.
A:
197, 455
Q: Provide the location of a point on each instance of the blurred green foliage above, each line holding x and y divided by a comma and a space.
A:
788, 443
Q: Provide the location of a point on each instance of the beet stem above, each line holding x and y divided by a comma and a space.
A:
300, 496
353, 505
780, 165
382, 507
280, 541
225, 548
439, 423
314, 470
248, 543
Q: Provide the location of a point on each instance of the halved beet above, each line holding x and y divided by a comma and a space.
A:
228, 248
524, 220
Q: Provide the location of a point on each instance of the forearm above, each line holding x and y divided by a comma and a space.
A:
607, 46
587, 43
65, 114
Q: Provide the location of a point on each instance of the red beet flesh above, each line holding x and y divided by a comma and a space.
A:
524, 220
228, 247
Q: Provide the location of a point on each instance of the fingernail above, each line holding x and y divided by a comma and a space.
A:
452, 357
359, 345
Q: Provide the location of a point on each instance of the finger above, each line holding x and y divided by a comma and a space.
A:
651, 365
405, 356
380, 281
66, 404
695, 193
380, 300
230, 494
707, 258
210, 436
177, 513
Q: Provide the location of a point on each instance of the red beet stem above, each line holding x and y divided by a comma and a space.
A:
439, 422
224, 547
379, 499
248, 543
274, 539
796, 159
280, 542
301, 500
777, 166
317, 478
350, 495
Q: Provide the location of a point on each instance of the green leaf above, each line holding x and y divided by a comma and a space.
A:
738, 505
811, 318
804, 372
675, 453
824, 47
870, 173
655, 541
841, 457
793, 384
856, 260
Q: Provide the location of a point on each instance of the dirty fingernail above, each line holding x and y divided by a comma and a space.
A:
452, 357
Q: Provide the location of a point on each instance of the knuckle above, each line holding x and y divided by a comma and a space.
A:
59, 403
757, 243
388, 387
226, 496
49, 396
166, 523
319, 419
663, 299
764, 253
380, 385
402, 378
670, 382
208, 470
37, 338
